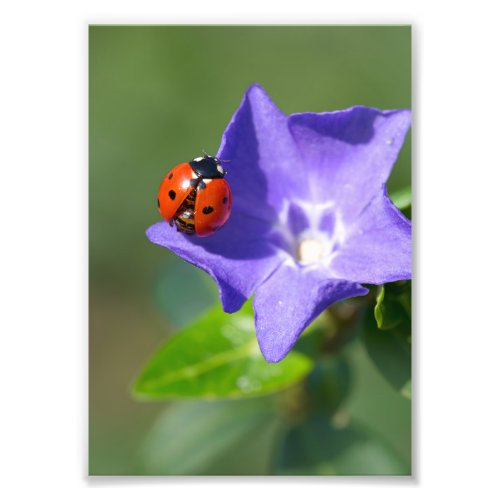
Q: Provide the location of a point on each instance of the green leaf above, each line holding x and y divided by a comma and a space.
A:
402, 198
393, 304
328, 385
217, 357
376, 404
388, 310
406, 390
319, 447
221, 437
390, 351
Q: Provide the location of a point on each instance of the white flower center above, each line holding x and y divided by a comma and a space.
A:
308, 234
310, 251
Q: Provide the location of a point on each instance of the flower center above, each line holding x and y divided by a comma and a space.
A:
310, 251
308, 233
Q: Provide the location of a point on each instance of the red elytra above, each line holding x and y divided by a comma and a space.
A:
174, 189
195, 196
216, 196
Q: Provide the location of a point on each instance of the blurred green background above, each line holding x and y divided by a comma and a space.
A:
158, 95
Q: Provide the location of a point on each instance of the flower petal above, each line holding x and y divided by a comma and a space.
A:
349, 154
238, 257
289, 300
242, 254
262, 157
377, 247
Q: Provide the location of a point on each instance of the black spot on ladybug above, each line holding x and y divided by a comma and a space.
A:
202, 185
170, 176
172, 194
224, 200
207, 210
193, 183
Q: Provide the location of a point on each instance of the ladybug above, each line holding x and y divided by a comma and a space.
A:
195, 196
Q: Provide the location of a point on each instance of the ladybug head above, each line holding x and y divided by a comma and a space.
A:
208, 167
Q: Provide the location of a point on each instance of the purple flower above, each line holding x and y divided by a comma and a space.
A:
311, 218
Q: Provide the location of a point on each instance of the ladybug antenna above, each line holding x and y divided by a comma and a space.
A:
204, 152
